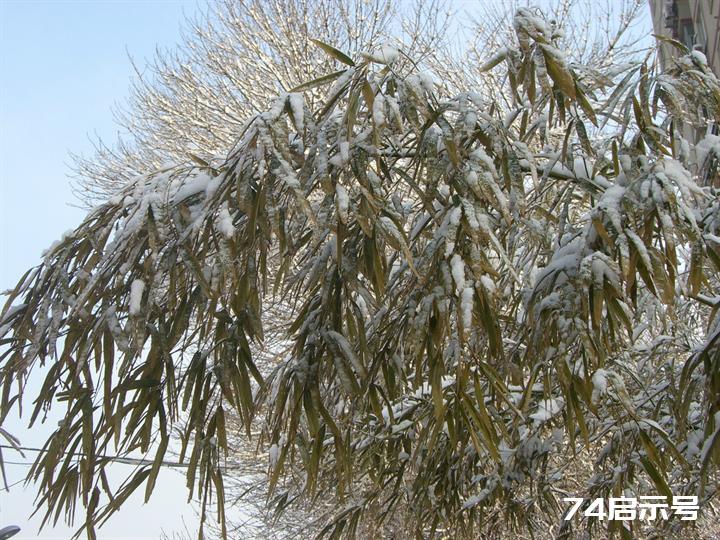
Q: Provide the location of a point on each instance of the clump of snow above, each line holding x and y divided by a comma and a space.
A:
195, 185
343, 154
5, 322
620, 391
495, 59
601, 271
525, 21
401, 426
699, 57
600, 384
378, 110
389, 226
343, 202
470, 214
291, 180
212, 185
49, 251
709, 146
582, 168
389, 54
224, 223
640, 247
488, 283
427, 82
385, 54
457, 266
273, 455
136, 292
548, 408
610, 203
564, 263
466, 304
449, 228
674, 170
344, 149
480, 497
296, 106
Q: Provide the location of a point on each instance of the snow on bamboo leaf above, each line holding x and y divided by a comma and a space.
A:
137, 287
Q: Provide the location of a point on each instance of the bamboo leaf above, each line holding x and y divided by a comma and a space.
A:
332, 51
319, 81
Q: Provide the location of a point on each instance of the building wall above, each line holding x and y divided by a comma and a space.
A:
696, 23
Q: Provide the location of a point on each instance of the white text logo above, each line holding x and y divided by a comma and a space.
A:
646, 508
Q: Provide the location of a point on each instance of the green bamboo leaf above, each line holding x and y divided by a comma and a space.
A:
657, 478
319, 81
585, 105
558, 71
674, 42
332, 51
695, 274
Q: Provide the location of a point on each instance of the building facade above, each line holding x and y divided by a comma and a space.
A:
695, 23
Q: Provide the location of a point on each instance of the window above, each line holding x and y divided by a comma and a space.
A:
686, 33
700, 34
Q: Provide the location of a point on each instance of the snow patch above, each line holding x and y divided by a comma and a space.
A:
343, 202
457, 266
224, 223
136, 292
548, 408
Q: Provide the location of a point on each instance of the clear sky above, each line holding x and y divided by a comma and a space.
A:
63, 66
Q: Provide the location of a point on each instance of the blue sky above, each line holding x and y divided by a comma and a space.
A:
63, 66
